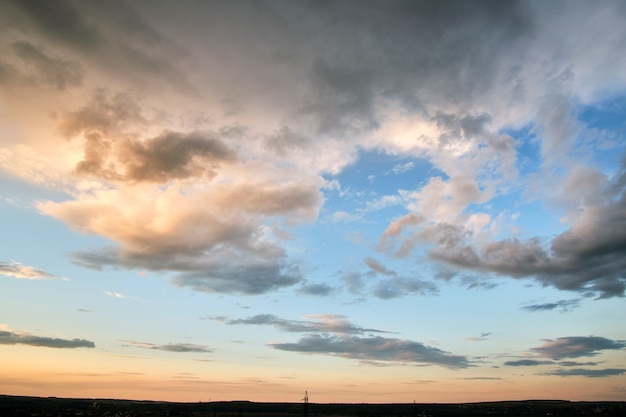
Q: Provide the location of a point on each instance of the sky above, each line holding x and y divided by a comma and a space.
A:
372, 201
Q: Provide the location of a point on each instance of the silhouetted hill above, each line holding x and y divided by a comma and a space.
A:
16, 406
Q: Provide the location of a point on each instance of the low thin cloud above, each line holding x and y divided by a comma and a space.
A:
563, 306
321, 323
171, 347
17, 270
9, 336
397, 286
574, 363
374, 349
318, 290
589, 373
528, 362
577, 346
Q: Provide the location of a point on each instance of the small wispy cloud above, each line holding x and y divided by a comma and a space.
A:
483, 336
17, 270
170, 347
376, 266
528, 362
402, 168
119, 295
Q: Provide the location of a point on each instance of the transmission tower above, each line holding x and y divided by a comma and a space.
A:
305, 411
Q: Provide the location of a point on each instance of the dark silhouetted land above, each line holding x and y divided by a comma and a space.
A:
11, 406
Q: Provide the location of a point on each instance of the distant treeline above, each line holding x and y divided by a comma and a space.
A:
15, 406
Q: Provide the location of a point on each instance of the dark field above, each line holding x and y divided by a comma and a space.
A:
43, 407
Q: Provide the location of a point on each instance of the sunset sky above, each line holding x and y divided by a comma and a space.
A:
373, 201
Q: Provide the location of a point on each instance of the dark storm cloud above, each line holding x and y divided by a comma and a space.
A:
374, 349
562, 305
22, 338
171, 347
577, 346
381, 52
589, 373
37, 67
527, 362
323, 323
111, 35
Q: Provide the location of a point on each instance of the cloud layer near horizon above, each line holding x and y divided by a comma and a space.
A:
16, 337
334, 335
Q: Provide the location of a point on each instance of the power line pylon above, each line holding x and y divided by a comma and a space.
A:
305, 411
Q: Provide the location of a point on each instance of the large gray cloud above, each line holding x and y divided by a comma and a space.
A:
112, 150
23, 338
234, 271
374, 349
590, 257
212, 234
166, 157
